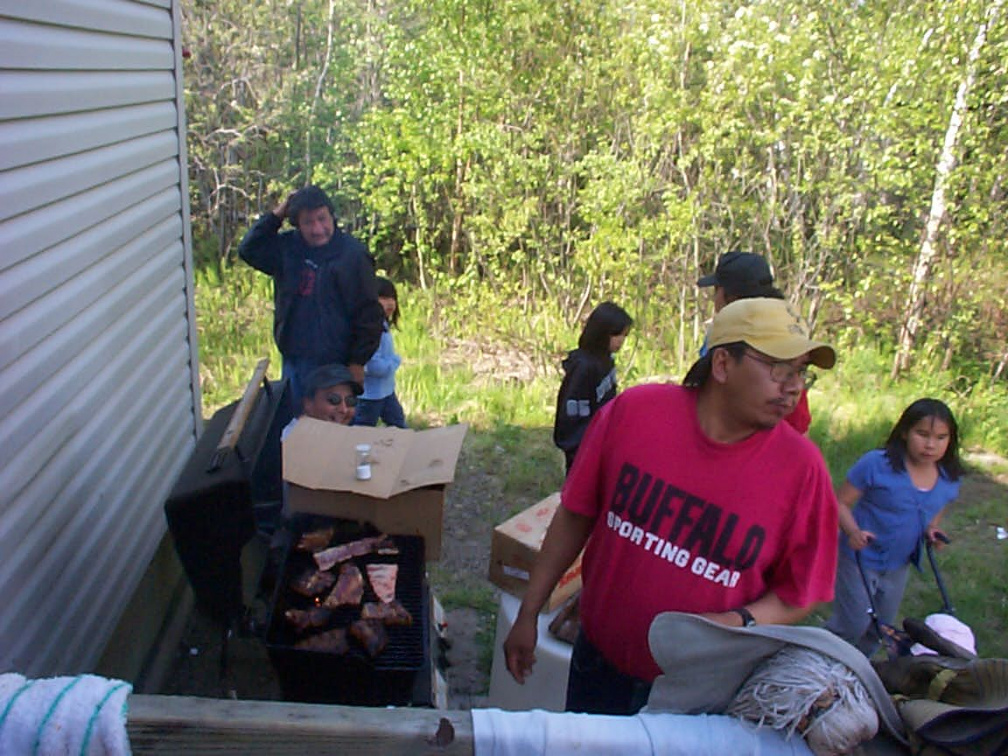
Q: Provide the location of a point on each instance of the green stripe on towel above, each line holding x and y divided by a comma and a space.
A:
94, 717
10, 704
52, 709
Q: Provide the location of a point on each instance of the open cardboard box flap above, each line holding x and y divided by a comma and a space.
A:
321, 456
409, 471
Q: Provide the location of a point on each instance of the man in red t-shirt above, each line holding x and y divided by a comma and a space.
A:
696, 498
744, 275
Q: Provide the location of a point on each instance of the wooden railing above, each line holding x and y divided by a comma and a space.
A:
192, 726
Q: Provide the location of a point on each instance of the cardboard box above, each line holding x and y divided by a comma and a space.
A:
409, 471
515, 546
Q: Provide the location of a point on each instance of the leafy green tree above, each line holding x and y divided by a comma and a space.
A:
542, 156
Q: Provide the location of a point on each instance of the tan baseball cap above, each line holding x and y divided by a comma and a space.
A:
771, 326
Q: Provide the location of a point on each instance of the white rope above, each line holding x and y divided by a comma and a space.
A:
797, 690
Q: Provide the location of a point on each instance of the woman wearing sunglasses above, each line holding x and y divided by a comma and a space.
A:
330, 393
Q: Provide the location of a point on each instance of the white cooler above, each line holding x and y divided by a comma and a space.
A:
546, 687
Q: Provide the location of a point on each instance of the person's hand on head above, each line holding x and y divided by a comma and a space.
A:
280, 211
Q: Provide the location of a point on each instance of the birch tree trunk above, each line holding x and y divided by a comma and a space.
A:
914, 312
318, 91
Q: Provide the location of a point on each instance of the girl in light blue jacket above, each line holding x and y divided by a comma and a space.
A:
379, 401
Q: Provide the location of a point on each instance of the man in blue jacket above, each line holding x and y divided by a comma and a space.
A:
325, 292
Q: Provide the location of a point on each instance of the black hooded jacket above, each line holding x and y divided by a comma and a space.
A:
589, 382
344, 298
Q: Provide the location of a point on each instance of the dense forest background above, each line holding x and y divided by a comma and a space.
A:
519, 158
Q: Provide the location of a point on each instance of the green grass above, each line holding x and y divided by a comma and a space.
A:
234, 316
480, 362
469, 592
974, 566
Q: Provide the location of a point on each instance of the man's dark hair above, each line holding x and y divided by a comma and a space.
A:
736, 349
753, 291
307, 198
700, 372
608, 319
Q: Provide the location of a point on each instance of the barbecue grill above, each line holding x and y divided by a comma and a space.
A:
398, 676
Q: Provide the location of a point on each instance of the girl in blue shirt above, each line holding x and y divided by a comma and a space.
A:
892, 498
379, 401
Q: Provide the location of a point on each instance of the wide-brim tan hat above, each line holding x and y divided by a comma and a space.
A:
704, 663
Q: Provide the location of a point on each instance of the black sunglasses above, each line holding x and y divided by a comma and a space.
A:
337, 399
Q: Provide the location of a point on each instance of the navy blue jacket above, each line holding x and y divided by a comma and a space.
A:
345, 295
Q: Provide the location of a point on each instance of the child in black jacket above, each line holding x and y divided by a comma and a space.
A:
589, 376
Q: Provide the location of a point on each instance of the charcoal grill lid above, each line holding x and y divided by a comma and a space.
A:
210, 518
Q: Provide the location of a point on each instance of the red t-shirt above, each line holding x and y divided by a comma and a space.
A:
687, 524
800, 418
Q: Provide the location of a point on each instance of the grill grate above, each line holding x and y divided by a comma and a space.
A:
354, 677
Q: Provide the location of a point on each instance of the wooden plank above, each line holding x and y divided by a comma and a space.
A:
236, 425
180, 724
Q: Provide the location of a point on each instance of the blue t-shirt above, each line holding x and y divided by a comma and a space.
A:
895, 510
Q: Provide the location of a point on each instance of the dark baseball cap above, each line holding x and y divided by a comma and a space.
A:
328, 376
740, 272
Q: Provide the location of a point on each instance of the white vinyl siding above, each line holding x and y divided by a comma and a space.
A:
99, 399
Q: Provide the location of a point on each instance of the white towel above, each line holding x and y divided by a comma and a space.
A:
528, 733
83, 715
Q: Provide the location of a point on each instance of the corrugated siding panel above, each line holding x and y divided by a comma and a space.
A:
113, 16
30, 233
99, 406
33, 316
69, 134
26, 94
75, 49
55, 179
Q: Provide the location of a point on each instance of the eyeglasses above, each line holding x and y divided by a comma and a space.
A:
337, 399
784, 372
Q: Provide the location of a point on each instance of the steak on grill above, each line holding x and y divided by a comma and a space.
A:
329, 558
349, 588
315, 540
330, 642
389, 613
312, 582
371, 635
304, 619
